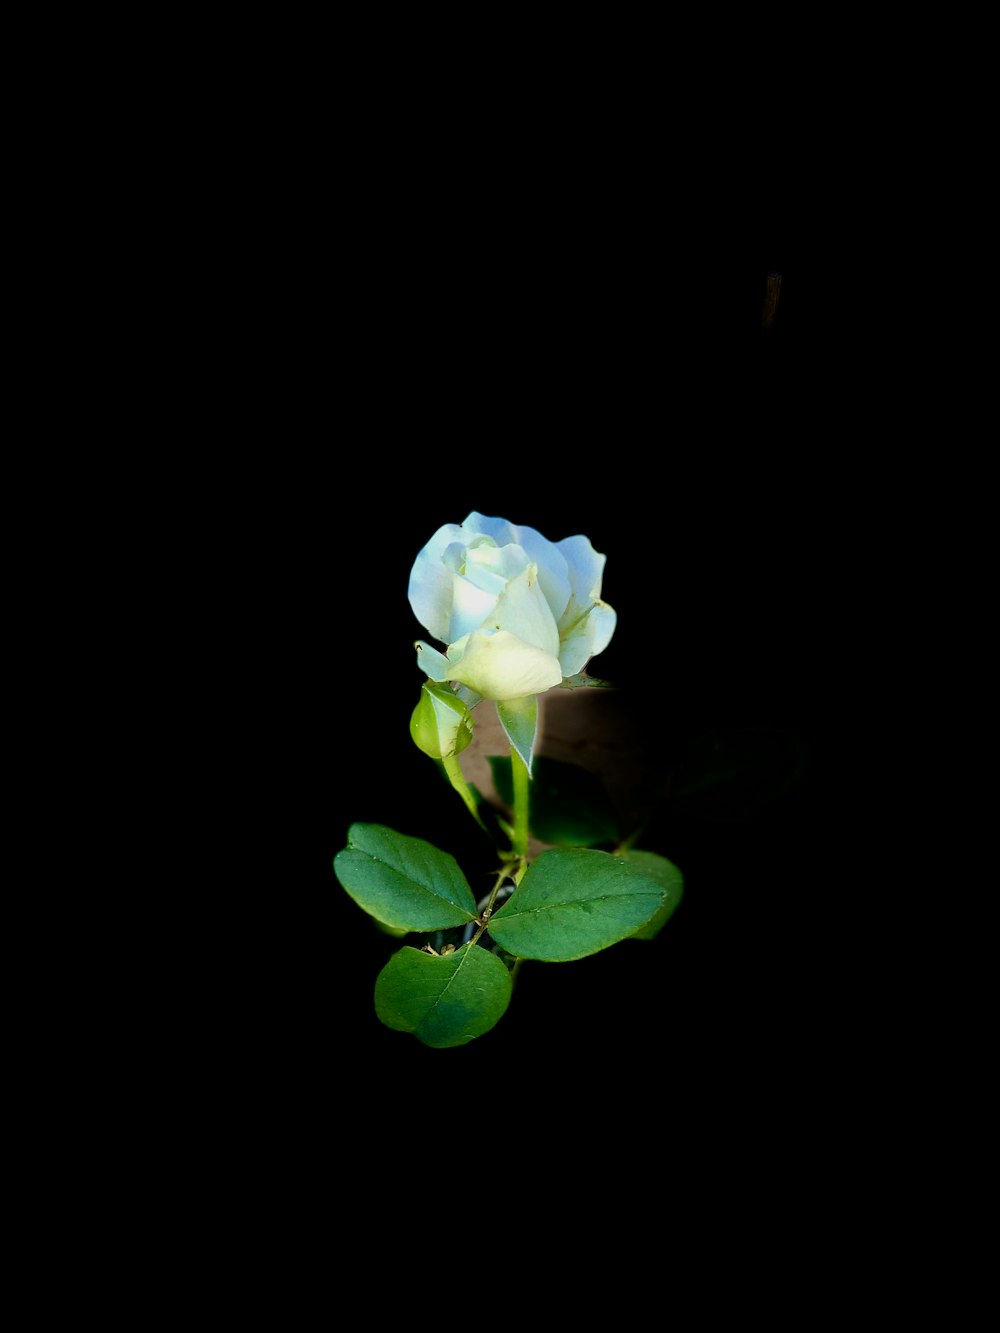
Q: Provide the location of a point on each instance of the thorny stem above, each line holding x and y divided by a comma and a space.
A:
484, 915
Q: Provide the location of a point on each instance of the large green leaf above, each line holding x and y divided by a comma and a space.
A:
573, 902
445, 1000
669, 878
567, 804
403, 882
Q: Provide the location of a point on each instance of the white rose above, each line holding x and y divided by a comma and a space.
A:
517, 612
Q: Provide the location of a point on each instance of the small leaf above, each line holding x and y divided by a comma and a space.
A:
573, 902
403, 882
567, 804
669, 878
445, 1000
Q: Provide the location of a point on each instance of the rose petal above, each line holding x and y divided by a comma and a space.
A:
477, 524
430, 587
433, 664
502, 666
553, 573
589, 636
470, 607
523, 610
585, 568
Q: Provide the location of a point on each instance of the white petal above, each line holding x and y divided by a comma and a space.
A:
430, 588
590, 635
483, 567
585, 568
552, 571
485, 561
496, 528
523, 610
485, 571
552, 568
502, 666
470, 607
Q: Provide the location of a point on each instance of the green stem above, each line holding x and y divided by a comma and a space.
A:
521, 784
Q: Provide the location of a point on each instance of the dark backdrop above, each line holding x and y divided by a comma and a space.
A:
582, 369
640, 402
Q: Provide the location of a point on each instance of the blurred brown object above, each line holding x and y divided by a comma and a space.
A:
771, 294
594, 728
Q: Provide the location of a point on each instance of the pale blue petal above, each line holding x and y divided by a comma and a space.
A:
498, 529
588, 623
589, 636
553, 573
523, 610
470, 606
603, 620
485, 572
430, 587
433, 664
469, 697
487, 564
585, 568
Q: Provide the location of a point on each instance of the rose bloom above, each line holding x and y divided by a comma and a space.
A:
518, 613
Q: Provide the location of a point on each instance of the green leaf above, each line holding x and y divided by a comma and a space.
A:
403, 882
567, 804
573, 902
669, 878
444, 1000
396, 932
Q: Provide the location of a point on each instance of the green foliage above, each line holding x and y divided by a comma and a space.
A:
567, 805
403, 882
586, 893
575, 902
670, 880
444, 1000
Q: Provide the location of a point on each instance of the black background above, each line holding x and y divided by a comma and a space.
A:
398, 331
635, 398
385, 356
354, 312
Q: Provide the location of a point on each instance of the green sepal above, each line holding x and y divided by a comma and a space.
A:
441, 724
582, 681
519, 719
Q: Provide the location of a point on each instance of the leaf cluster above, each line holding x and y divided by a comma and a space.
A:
573, 900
